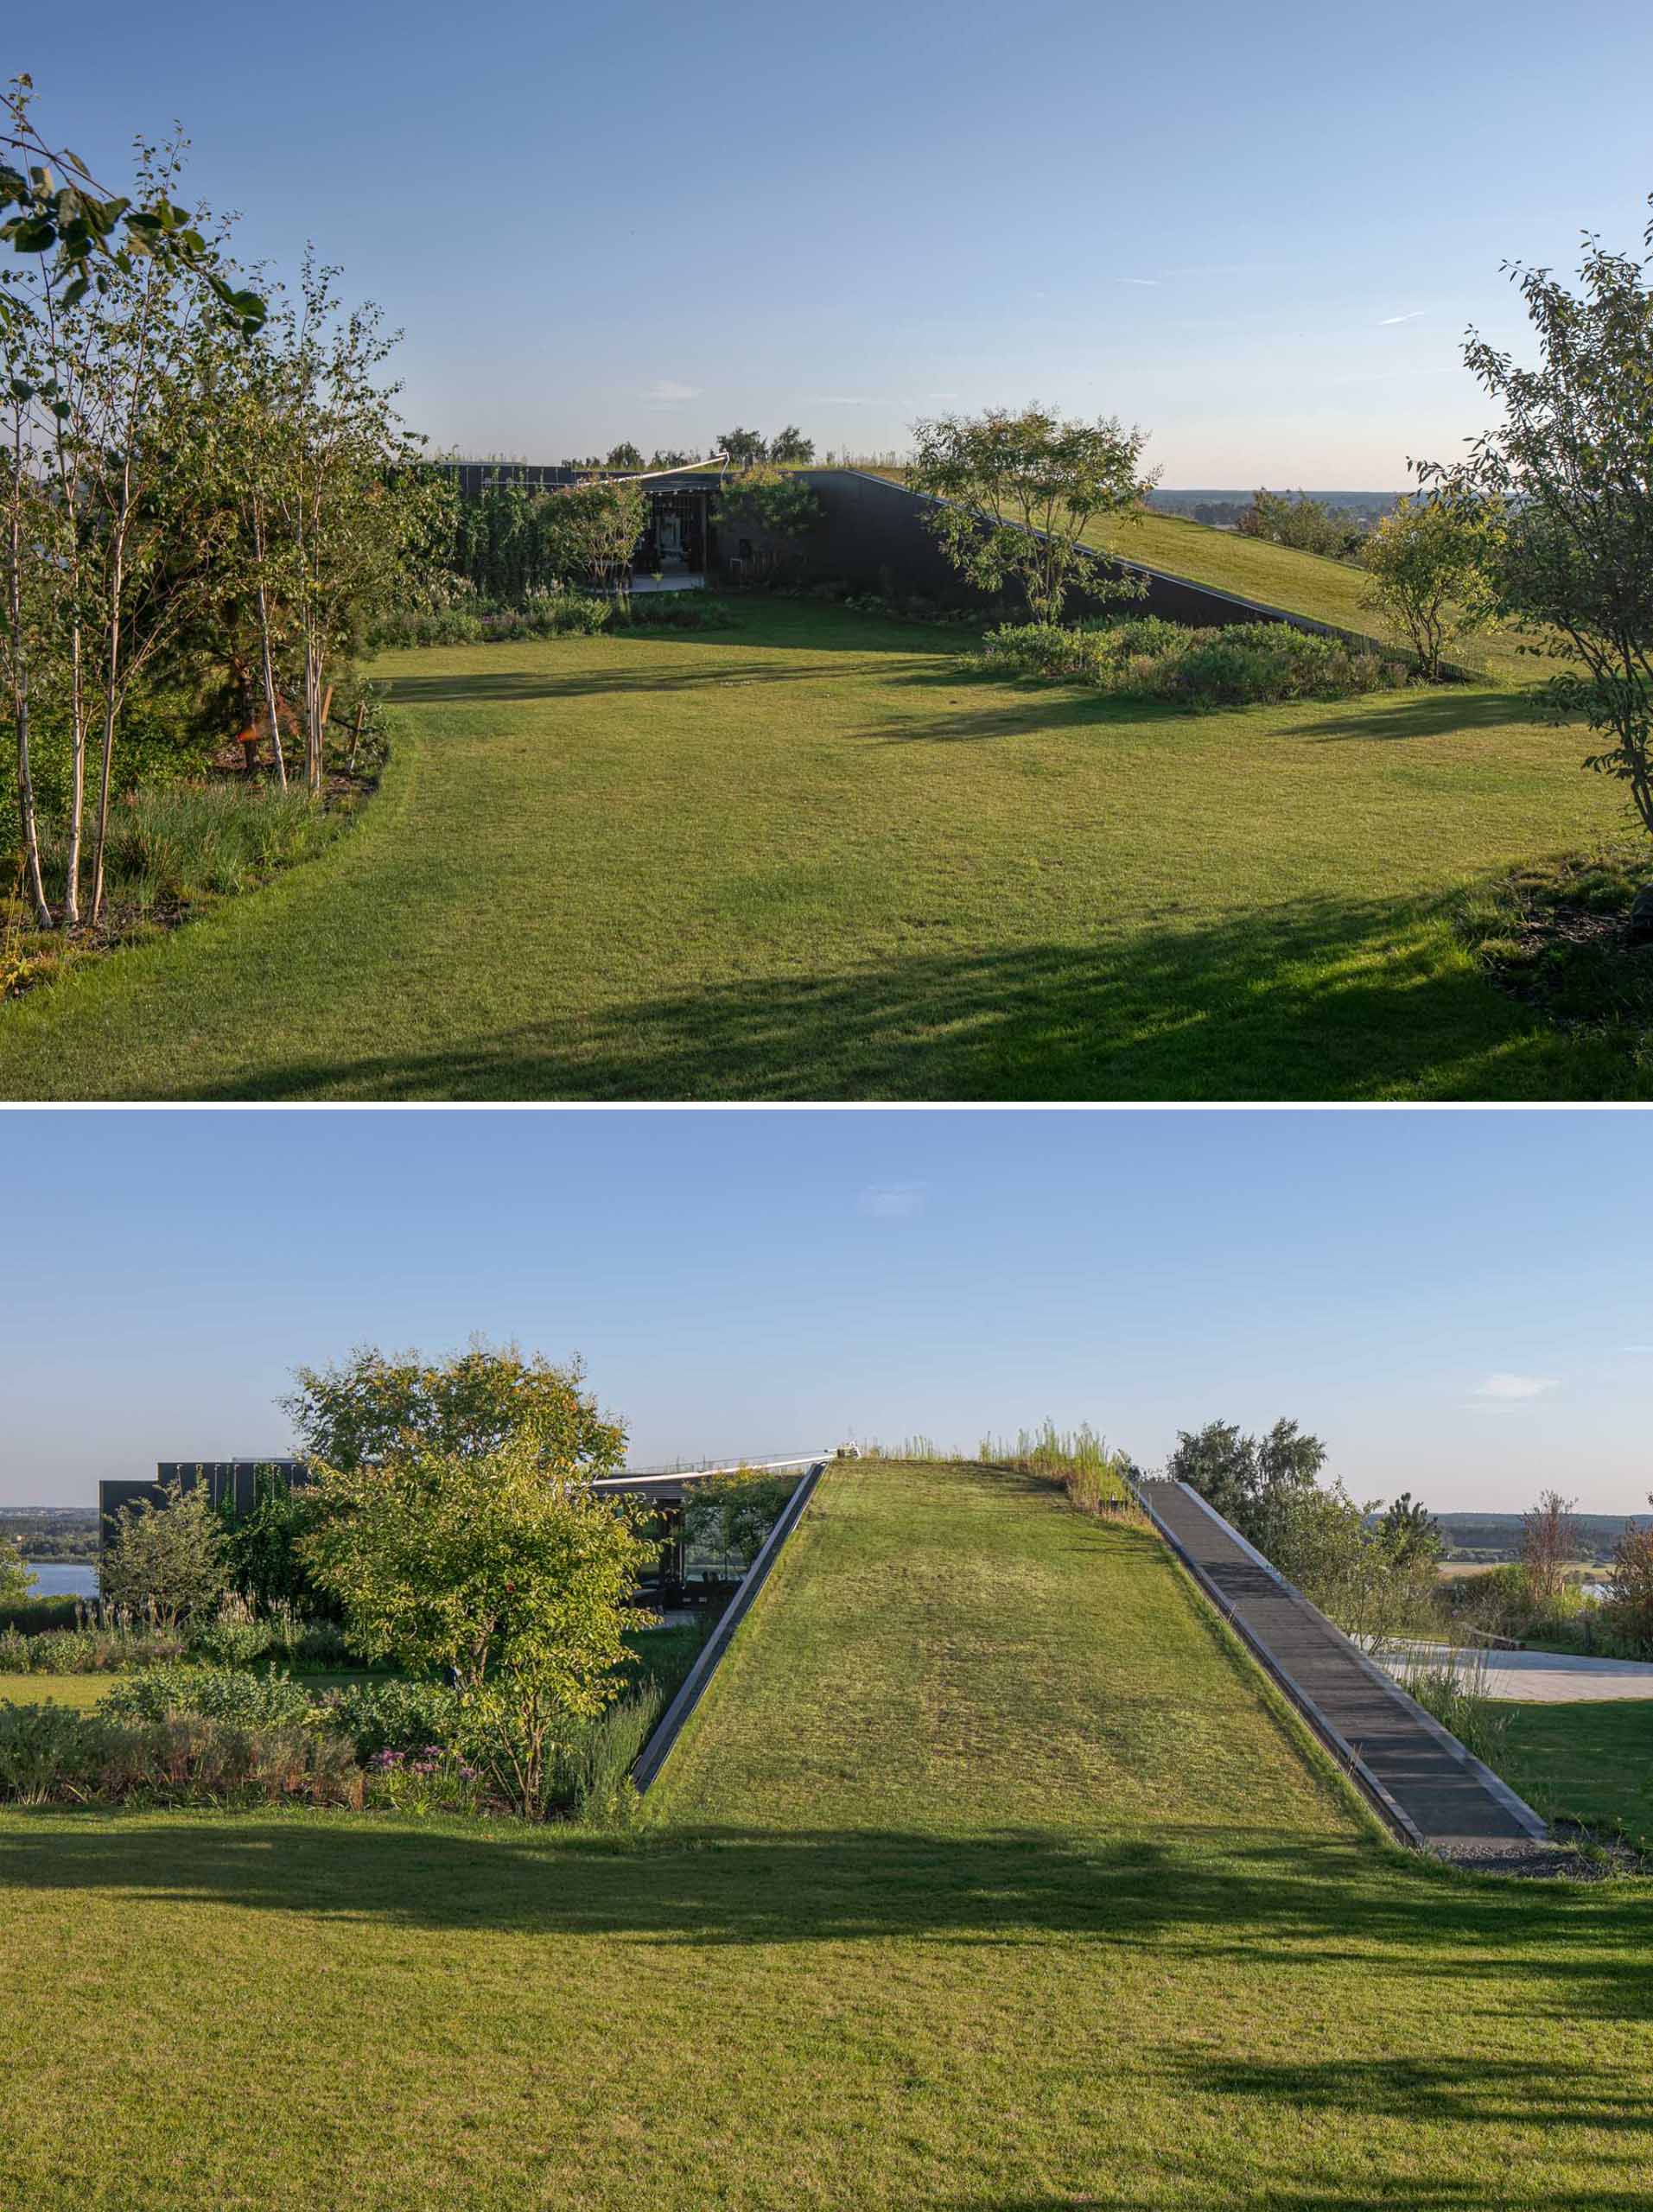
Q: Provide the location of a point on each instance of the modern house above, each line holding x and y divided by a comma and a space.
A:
686, 1574
871, 536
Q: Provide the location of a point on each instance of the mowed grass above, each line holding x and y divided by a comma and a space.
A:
990, 1878
1298, 583
810, 859
1591, 1763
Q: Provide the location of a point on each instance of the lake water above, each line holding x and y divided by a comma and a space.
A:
63, 1578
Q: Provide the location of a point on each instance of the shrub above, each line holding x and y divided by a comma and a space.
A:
14, 1651
30, 1615
235, 1636
49, 1752
51, 1755
227, 1694
168, 1559
1629, 1612
100, 1649
552, 614
394, 1716
594, 1766
1240, 665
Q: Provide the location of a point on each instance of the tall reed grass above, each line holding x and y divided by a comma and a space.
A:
1078, 1460
1456, 1692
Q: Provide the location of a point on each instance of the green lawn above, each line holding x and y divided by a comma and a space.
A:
1590, 1762
808, 859
81, 1691
988, 1878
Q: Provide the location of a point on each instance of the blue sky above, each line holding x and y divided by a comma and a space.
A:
1259, 231
1460, 1303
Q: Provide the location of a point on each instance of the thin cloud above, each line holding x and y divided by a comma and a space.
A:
890, 1201
1149, 283
667, 388
1506, 1388
1385, 322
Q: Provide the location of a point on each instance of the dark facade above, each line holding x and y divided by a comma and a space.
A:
871, 537
683, 1574
232, 1482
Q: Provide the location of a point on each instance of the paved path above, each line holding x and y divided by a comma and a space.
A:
1444, 1799
1534, 1677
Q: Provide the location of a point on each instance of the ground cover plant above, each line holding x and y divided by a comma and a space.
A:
1004, 1878
803, 859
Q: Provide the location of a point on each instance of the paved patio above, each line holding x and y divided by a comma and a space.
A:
1534, 1677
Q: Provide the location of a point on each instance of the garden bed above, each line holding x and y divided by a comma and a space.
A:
176, 851
1557, 936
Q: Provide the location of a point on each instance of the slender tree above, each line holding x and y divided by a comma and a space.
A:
1014, 494
1568, 473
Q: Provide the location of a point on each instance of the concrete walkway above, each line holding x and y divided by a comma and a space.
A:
1530, 1677
1420, 1778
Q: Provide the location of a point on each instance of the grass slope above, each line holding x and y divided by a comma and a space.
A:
1272, 575
1279, 576
809, 859
987, 1880
1590, 1762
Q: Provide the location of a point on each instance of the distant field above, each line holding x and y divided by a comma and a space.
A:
811, 858
993, 1879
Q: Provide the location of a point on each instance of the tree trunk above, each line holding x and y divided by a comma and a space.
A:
77, 767
27, 822
271, 701
100, 834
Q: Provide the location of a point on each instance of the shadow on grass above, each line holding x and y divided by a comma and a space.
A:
1196, 1892
1433, 713
1321, 998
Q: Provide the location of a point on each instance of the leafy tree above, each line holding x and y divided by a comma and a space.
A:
1630, 1605
669, 457
471, 1404
734, 1511
625, 455
791, 445
592, 531
1307, 525
496, 1568
168, 1561
1550, 1541
1569, 473
1219, 1462
263, 1547
1430, 566
1016, 492
1411, 1531
94, 238
765, 502
745, 448
353, 502
16, 1579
